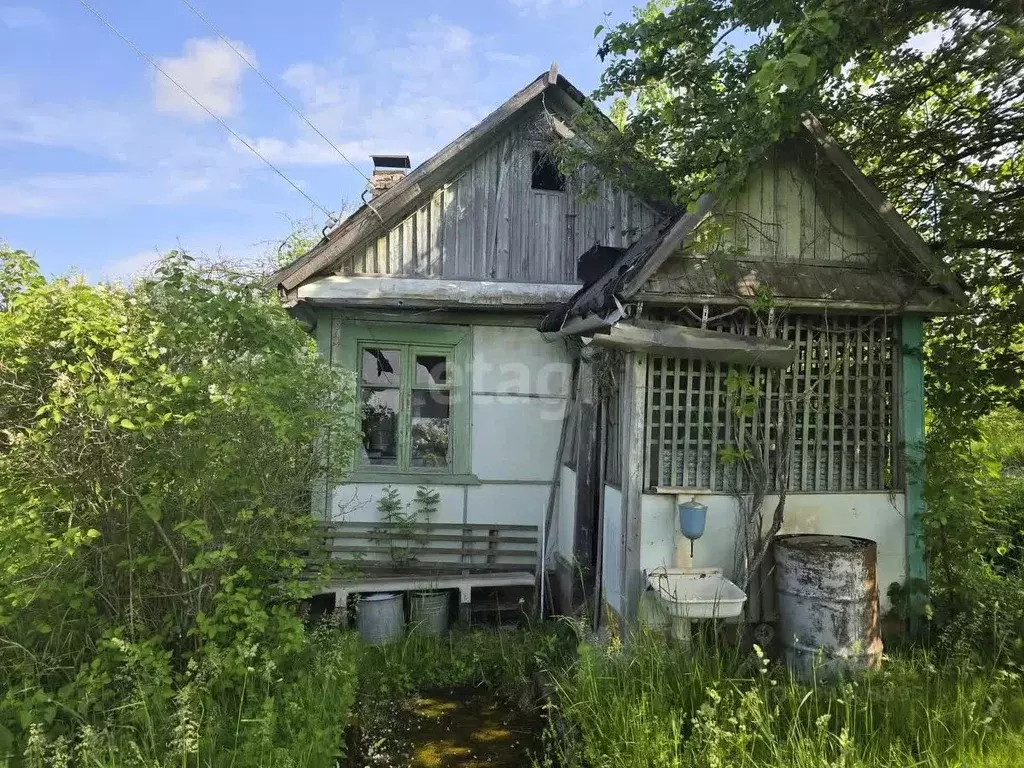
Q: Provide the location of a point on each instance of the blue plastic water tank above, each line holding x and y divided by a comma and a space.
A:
692, 517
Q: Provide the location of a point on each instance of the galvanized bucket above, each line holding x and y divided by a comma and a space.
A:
381, 618
827, 595
428, 612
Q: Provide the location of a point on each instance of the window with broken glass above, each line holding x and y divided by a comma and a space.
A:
844, 392
413, 405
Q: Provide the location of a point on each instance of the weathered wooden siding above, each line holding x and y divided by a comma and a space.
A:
791, 210
489, 224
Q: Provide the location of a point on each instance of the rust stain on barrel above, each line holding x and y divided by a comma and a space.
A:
828, 602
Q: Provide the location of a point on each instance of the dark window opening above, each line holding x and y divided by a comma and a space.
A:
546, 175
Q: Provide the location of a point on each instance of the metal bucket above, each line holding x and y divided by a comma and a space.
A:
381, 618
428, 612
827, 595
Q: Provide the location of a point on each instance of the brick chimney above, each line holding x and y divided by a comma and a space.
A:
388, 170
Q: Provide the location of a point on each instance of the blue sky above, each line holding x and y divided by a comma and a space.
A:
103, 163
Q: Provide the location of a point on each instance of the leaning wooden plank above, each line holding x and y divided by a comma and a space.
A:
635, 384
681, 341
556, 476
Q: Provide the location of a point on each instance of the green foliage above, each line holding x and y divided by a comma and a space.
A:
501, 660
299, 242
157, 449
974, 529
276, 717
664, 706
402, 520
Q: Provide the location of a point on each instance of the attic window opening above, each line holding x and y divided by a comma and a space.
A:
546, 175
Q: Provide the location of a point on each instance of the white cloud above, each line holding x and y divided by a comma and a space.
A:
126, 269
210, 71
147, 160
22, 17
64, 195
545, 7
415, 104
228, 249
513, 59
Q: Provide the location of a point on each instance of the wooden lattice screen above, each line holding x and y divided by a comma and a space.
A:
843, 386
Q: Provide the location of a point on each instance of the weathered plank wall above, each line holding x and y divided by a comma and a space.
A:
791, 210
489, 224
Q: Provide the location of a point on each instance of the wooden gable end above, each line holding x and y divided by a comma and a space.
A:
487, 222
796, 229
792, 208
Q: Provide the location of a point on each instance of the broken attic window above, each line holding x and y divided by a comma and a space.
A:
546, 175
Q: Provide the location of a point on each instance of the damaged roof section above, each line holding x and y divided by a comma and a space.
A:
658, 268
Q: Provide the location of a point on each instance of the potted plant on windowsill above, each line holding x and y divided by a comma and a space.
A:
378, 427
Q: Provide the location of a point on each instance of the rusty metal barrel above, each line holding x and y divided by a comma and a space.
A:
827, 596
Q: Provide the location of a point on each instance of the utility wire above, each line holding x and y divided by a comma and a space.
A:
202, 106
277, 90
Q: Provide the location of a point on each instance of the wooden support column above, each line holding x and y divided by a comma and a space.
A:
585, 522
634, 396
912, 448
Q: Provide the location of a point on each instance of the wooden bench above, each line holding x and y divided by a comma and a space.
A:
401, 557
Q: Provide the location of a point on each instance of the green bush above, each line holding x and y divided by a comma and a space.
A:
974, 530
292, 716
157, 450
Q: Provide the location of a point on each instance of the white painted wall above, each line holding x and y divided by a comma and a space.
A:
357, 502
876, 516
612, 548
519, 384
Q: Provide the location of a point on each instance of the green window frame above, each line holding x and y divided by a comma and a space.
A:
413, 396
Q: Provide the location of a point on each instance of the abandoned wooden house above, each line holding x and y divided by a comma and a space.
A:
563, 369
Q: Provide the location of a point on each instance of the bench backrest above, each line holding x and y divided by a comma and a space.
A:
442, 548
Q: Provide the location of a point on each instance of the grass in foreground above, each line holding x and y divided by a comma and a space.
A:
659, 705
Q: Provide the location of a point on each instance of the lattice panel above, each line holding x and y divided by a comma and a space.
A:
842, 387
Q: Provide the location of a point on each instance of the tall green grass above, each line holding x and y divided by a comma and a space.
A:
276, 718
656, 704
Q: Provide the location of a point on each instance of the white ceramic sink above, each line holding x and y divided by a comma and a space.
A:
696, 593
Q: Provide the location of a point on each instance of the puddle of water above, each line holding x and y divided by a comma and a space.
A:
454, 728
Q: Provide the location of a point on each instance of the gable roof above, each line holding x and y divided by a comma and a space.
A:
391, 204
625, 279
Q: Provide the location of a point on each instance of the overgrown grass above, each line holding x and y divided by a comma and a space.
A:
277, 718
658, 705
648, 704
506, 661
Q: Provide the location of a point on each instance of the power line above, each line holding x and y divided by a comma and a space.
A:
280, 95
202, 106
273, 87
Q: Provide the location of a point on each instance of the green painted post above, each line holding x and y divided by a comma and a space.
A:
912, 410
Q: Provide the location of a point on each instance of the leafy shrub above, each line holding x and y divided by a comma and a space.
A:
975, 535
157, 450
293, 716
